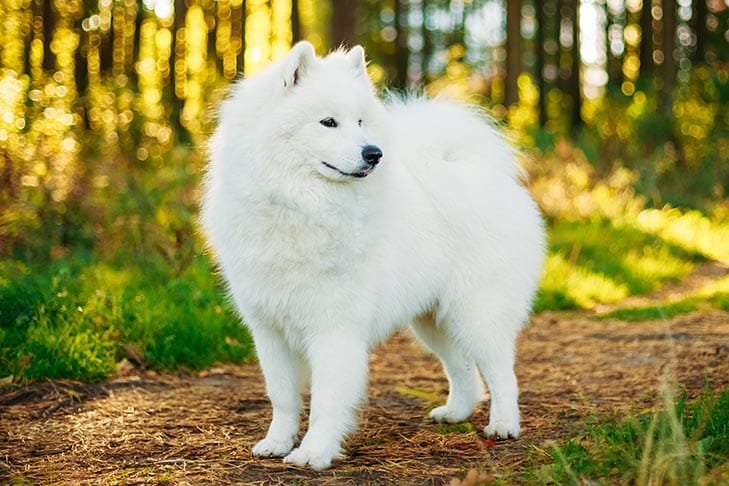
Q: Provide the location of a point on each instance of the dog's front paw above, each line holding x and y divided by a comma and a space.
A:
273, 447
316, 459
503, 429
449, 415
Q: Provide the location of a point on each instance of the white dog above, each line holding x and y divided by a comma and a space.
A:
338, 220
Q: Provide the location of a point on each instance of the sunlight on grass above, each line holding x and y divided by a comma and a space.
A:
652, 313
714, 294
604, 246
573, 285
680, 444
600, 262
690, 230
659, 264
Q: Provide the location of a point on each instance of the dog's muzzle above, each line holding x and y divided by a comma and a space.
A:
371, 155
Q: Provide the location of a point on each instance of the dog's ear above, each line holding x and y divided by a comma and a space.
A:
296, 63
356, 56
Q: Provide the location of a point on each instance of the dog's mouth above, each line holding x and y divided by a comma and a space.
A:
357, 175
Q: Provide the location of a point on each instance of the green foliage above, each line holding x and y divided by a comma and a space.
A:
678, 146
652, 313
599, 261
721, 301
678, 445
460, 428
78, 318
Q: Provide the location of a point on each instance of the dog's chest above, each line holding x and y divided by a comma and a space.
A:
284, 248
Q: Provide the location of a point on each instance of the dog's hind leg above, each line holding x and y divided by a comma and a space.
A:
465, 385
284, 383
488, 330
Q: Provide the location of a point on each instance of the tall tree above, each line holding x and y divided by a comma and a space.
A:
106, 49
669, 46
513, 51
613, 21
646, 38
427, 51
401, 44
242, 53
344, 23
698, 19
574, 87
178, 46
540, 61
49, 23
295, 22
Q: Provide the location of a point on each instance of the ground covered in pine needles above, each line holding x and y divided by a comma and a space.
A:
144, 427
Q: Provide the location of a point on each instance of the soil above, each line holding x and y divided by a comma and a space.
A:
144, 427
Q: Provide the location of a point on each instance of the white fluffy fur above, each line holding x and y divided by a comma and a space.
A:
323, 266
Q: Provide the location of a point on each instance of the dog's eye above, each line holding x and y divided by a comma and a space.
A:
329, 122
359, 122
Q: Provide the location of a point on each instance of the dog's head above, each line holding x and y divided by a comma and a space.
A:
328, 110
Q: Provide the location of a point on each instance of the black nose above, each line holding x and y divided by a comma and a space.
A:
371, 154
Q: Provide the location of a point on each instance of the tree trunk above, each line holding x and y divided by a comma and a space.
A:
539, 68
49, 24
401, 44
575, 84
669, 46
427, 51
177, 51
513, 51
646, 39
241, 61
699, 13
178, 23
106, 49
82, 65
614, 62
344, 23
295, 22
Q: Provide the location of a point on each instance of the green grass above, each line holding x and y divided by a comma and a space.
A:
715, 294
690, 229
77, 319
720, 300
653, 313
460, 428
599, 262
685, 443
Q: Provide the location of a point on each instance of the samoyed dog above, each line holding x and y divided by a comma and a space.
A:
337, 219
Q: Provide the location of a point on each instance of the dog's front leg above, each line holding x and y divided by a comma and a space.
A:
338, 386
284, 382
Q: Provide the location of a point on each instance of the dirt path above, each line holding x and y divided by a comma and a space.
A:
158, 428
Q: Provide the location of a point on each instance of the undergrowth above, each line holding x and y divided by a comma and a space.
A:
77, 319
713, 295
604, 245
686, 442
155, 301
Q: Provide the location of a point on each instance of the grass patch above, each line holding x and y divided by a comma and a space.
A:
653, 313
716, 294
78, 318
460, 428
691, 230
720, 301
682, 444
597, 261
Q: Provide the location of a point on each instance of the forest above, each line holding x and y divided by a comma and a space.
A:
107, 104
111, 308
